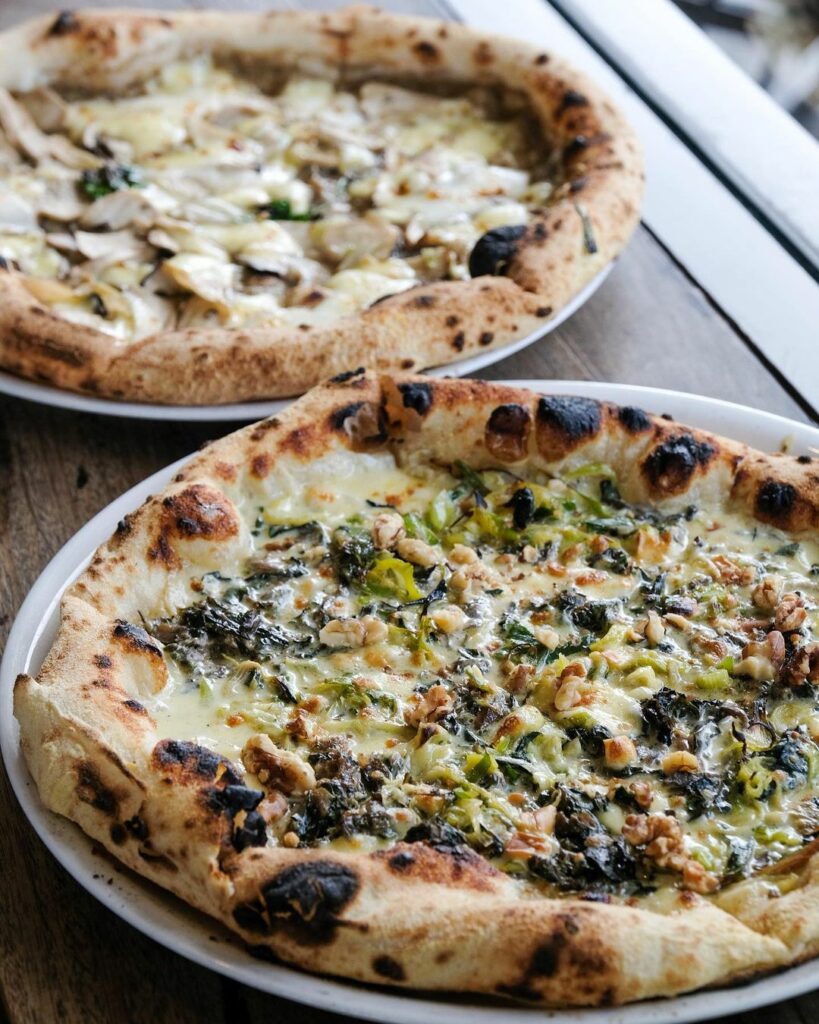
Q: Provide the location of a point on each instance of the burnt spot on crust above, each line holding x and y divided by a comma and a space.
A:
566, 951
198, 512
184, 759
416, 396
260, 466
428, 52
775, 500
135, 706
362, 422
310, 895
387, 967
423, 301
239, 803
401, 860
102, 661
137, 827
486, 338
564, 422
342, 378
570, 100
507, 432
458, 341
633, 419
494, 250
64, 23
135, 639
91, 789
672, 464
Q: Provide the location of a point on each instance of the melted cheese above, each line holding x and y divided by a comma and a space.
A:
216, 163
480, 642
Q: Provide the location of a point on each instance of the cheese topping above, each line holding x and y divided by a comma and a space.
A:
596, 696
205, 201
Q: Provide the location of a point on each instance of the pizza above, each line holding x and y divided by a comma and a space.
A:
453, 686
207, 207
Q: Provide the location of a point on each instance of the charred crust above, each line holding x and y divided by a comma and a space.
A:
633, 419
260, 466
197, 512
428, 52
494, 250
570, 100
387, 967
250, 916
342, 378
775, 500
134, 638
91, 789
458, 341
311, 895
507, 432
137, 827
543, 311
233, 800
135, 706
102, 661
118, 834
423, 301
486, 338
339, 417
672, 464
570, 418
64, 23
401, 860
417, 396
188, 760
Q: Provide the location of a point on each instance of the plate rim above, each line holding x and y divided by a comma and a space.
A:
143, 905
247, 412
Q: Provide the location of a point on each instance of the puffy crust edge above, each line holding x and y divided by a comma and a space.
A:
431, 324
399, 916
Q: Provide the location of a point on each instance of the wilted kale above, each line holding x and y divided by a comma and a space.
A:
613, 559
101, 181
593, 616
704, 793
589, 855
353, 554
522, 645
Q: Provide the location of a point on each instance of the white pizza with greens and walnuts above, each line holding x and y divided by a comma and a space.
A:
454, 686
237, 205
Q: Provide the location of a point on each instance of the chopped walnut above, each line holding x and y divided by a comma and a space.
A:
790, 612
353, 632
276, 768
642, 793
474, 572
517, 677
449, 618
729, 572
680, 761
619, 751
663, 840
388, 529
418, 552
761, 659
462, 555
429, 706
572, 687
765, 594
653, 629
801, 666
598, 544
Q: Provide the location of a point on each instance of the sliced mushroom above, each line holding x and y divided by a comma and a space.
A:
206, 277
16, 214
98, 141
345, 241
60, 201
21, 128
114, 211
112, 246
46, 107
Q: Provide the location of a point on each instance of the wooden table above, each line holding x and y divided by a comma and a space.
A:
62, 956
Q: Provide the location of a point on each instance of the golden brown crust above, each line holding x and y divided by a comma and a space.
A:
429, 325
414, 915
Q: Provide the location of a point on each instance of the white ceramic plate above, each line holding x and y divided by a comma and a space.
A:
249, 411
172, 923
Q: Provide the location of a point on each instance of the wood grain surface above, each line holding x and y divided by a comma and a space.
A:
62, 956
